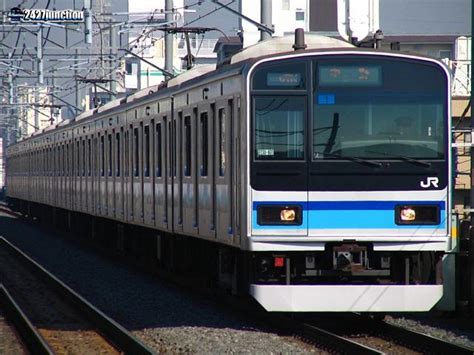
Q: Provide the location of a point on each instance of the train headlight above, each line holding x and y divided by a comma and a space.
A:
407, 214
279, 215
287, 215
417, 214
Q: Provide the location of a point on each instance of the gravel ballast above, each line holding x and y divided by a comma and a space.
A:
165, 318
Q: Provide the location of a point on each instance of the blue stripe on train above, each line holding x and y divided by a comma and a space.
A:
350, 214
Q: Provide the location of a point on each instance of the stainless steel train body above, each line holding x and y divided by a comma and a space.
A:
328, 169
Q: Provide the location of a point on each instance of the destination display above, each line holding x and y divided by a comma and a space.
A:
350, 75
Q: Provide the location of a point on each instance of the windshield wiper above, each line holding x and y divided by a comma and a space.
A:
404, 158
354, 159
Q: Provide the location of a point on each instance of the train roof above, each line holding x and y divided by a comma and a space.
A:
285, 44
141, 93
191, 74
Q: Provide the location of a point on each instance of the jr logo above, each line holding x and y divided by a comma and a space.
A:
429, 181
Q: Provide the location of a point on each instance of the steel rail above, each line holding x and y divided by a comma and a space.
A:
32, 339
113, 331
418, 341
323, 338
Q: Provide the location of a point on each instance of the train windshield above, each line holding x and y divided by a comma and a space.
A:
279, 128
378, 109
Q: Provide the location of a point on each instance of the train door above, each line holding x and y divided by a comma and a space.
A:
66, 175
168, 122
110, 173
160, 172
88, 191
188, 172
77, 180
177, 127
223, 168
51, 175
206, 187
127, 180
54, 178
235, 176
137, 169
118, 172
62, 194
148, 204
102, 174
96, 173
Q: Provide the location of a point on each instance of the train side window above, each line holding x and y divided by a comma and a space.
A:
170, 146
204, 143
175, 148
60, 160
117, 154
126, 153
146, 165
89, 160
158, 150
222, 141
84, 157
96, 164
78, 166
68, 167
109, 155
102, 156
136, 156
187, 146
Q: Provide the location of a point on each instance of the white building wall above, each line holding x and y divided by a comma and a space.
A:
287, 15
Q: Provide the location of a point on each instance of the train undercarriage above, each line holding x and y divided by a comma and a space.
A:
342, 271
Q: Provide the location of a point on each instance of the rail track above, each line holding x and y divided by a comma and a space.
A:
53, 317
350, 333
29, 336
344, 334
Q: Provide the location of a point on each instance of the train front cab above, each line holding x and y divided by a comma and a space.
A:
349, 200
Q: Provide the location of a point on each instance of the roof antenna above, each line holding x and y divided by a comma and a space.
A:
299, 40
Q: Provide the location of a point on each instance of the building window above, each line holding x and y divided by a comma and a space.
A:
445, 54
299, 15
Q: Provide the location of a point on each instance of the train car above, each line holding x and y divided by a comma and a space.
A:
318, 178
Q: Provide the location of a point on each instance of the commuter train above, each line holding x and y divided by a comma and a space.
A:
317, 179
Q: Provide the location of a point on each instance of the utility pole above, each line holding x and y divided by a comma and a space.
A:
169, 37
87, 22
36, 101
471, 234
113, 55
12, 137
53, 109
265, 18
76, 73
39, 54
